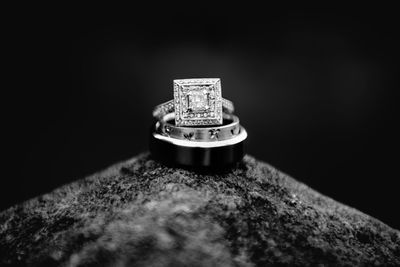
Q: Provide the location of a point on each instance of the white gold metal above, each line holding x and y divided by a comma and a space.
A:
186, 143
230, 129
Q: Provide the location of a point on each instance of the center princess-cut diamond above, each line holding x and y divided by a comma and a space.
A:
197, 102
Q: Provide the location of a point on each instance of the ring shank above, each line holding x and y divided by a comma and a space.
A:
228, 130
219, 157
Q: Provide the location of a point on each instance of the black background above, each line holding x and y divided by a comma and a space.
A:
314, 88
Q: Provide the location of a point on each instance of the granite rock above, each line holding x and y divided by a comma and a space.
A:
141, 213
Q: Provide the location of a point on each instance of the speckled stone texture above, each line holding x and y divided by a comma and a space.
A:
141, 213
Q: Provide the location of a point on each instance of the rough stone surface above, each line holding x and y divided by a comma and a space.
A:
141, 213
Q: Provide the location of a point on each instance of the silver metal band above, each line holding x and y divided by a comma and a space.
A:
241, 136
228, 130
168, 107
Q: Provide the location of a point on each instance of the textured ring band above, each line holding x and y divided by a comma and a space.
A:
228, 130
169, 107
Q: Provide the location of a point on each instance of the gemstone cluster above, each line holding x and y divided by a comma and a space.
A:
197, 102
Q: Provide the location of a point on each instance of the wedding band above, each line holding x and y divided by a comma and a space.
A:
228, 130
196, 102
208, 155
186, 143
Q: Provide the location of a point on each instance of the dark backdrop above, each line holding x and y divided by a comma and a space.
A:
314, 87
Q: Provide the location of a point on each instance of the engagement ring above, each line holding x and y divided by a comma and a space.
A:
196, 102
197, 128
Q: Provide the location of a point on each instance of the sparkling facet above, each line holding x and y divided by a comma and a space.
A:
198, 101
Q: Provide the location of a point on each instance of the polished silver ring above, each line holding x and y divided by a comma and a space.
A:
196, 102
190, 143
228, 130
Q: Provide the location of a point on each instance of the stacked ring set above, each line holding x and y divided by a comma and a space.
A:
197, 128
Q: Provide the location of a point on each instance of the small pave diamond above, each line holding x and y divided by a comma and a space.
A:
198, 102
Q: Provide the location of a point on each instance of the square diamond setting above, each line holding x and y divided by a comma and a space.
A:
197, 102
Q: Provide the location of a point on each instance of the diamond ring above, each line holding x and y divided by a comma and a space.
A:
196, 102
197, 128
